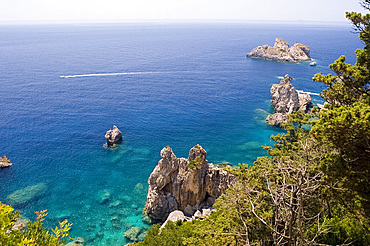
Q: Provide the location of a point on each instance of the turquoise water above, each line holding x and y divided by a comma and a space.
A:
161, 84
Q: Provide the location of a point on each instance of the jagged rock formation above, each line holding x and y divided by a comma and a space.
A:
281, 52
4, 161
286, 100
184, 184
113, 136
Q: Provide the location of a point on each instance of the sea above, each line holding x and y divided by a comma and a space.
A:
62, 86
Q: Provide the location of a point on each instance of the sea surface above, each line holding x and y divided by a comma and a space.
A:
63, 86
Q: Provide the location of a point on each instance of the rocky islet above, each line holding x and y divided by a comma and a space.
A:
113, 136
281, 52
286, 99
4, 161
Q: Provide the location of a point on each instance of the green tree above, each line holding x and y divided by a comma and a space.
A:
13, 231
345, 126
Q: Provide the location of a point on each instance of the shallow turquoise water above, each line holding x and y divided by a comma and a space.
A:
168, 84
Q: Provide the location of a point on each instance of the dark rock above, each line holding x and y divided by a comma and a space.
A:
113, 136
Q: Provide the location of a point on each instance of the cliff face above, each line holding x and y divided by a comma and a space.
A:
286, 100
185, 184
281, 52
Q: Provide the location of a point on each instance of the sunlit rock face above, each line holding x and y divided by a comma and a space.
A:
185, 184
286, 99
4, 161
281, 52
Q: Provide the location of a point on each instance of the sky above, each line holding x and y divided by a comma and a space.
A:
154, 10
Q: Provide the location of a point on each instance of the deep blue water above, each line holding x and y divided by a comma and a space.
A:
178, 85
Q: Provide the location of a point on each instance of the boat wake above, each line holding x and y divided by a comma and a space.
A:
107, 74
306, 92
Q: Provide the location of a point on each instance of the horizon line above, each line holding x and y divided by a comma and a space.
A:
168, 21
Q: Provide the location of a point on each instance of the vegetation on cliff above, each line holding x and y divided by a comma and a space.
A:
313, 188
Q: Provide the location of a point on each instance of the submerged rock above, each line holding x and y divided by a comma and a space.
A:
281, 52
185, 184
4, 161
62, 214
79, 241
286, 99
113, 136
135, 234
24, 195
103, 196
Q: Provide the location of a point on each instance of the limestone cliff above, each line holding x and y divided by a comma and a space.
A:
286, 99
281, 52
184, 184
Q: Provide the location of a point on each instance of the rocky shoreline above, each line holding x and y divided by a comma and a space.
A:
281, 52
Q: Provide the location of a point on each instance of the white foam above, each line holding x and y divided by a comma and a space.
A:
306, 92
106, 74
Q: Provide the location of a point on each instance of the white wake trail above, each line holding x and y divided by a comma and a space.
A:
106, 74
310, 93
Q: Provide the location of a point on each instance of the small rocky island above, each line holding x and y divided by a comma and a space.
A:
4, 161
113, 136
281, 52
286, 100
186, 184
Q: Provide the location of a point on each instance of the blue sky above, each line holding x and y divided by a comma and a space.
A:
124, 10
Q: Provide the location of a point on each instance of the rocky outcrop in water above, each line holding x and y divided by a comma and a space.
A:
185, 184
113, 136
4, 161
286, 100
281, 52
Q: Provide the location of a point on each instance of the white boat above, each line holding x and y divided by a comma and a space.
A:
313, 63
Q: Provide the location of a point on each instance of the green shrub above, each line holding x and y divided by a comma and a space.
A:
15, 232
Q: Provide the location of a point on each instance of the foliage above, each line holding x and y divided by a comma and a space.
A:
29, 233
345, 126
196, 163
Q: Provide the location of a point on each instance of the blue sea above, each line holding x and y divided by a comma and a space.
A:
63, 86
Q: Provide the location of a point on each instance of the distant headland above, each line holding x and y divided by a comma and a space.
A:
281, 52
